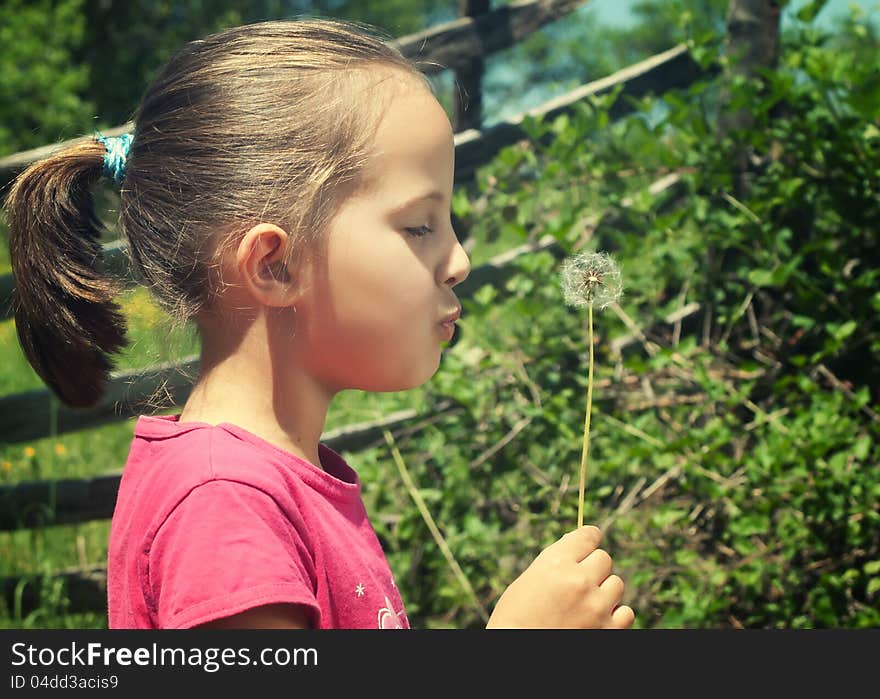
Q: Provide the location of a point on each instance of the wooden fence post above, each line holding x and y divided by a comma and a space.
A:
752, 41
468, 93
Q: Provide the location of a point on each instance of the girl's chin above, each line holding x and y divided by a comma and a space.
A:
414, 379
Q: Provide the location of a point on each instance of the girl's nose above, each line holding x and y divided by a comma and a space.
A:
459, 265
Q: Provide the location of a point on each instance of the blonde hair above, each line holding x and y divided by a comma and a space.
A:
271, 121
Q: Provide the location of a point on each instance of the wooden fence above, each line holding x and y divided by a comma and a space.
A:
460, 46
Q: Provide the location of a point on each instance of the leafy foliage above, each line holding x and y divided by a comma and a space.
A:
735, 468
40, 87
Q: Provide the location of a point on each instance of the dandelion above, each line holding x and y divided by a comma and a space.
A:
60, 449
29, 452
7, 466
589, 279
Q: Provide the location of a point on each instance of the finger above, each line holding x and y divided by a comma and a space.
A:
576, 545
612, 590
622, 617
597, 567
609, 594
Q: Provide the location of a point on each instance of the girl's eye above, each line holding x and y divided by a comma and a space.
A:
419, 231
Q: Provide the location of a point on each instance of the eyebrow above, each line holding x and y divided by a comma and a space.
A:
432, 195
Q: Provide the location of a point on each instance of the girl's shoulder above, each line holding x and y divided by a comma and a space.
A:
182, 456
192, 453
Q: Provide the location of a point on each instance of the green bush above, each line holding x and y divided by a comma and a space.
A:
734, 455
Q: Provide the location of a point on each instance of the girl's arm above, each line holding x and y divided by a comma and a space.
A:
269, 616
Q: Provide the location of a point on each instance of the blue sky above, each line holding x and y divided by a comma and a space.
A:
618, 12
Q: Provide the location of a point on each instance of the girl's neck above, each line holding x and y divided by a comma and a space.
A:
289, 412
274, 434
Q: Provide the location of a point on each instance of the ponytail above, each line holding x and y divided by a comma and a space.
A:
67, 322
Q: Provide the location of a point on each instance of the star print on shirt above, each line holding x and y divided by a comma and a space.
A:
359, 590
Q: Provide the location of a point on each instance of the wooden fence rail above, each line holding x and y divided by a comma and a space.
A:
84, 588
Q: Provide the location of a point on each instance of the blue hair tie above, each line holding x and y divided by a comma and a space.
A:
117, 151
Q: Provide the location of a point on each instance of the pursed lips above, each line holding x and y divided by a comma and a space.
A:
452, 317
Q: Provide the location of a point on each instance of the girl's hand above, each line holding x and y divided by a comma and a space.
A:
569, 585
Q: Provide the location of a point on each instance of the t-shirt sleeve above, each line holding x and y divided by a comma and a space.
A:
226, 547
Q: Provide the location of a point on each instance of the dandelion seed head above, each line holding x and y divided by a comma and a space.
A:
591, 278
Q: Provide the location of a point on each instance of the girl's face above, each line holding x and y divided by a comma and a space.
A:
371, 317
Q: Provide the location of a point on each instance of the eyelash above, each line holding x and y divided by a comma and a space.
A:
419, 231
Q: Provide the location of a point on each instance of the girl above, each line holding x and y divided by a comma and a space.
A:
288, 188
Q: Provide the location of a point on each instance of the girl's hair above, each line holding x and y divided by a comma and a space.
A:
271, 121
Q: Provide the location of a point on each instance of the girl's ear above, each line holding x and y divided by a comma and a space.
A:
261, 262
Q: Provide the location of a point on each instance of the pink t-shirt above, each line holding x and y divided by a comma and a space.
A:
213, 520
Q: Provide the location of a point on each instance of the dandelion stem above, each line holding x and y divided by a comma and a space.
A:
586, 449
